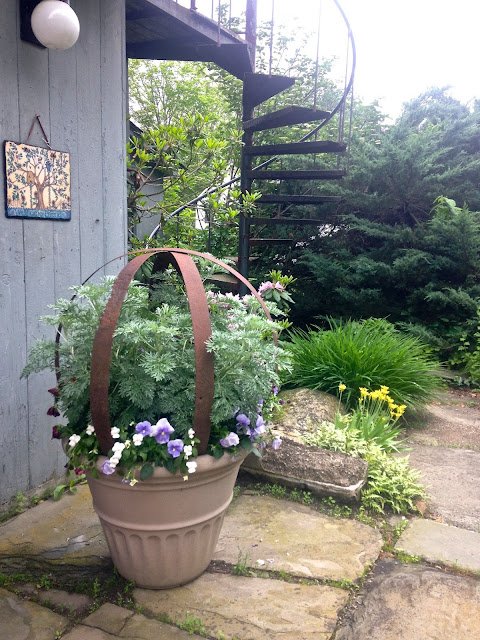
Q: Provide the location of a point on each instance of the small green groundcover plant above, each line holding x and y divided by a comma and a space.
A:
152, 376
360, 354
371, 432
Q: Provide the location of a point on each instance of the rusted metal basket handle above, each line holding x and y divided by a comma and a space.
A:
204, 375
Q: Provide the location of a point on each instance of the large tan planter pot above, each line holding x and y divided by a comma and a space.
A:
162, 532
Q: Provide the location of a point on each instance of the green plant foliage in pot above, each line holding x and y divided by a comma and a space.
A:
165, 388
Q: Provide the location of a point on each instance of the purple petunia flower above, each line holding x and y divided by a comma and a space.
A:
79, 471
230, 441
53, 411
162, 431
56, 432
277, 442
54, 392
175, 448
260, 426
107, 468
242, 420
143, 428
275, 389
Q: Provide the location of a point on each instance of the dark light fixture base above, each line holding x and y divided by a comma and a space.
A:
26, 33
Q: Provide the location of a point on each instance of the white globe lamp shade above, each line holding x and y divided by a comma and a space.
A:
55, 24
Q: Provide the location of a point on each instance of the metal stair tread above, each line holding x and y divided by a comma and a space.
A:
287, 116
296, 199
281, 174
258, 87
255, 242
295, 148
255, 220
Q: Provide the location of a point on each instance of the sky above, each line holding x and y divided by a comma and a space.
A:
403, 47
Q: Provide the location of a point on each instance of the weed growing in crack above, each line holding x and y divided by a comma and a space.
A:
193, 626
241, 567
407, 558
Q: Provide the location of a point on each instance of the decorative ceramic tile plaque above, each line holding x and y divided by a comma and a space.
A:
38, 182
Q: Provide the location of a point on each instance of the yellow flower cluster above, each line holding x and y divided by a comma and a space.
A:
381, 395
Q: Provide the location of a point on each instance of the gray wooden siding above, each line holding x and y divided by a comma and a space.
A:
80, 96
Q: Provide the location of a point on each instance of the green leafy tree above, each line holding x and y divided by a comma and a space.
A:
188, 143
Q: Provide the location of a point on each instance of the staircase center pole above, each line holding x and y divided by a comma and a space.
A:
247, 139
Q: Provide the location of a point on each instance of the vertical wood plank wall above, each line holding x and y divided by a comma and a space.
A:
80, 96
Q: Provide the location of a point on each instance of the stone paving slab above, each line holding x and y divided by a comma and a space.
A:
452, 478
437, 542
54, 534
415, 603
290, 537
109, 617
123, 623
71, 602
250, 608
24, 620
89, 633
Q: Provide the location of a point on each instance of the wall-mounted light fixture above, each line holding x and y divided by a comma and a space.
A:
49, 23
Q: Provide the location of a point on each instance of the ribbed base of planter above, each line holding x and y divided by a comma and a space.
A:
162, 532
162, 559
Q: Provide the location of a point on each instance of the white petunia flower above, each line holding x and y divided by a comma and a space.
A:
191, 434
114, 460
115, 431
137, 439
191, 466
133, 482
73, 440
127, 444
118, 447
187, 451
90, 430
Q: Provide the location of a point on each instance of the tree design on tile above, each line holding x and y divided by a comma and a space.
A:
38, 180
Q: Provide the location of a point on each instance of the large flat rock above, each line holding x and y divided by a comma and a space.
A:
452, 479
290, 537
301, 409
437, 542
250, 608
295, 464
24, 620
415, 603
324, 473
65, 536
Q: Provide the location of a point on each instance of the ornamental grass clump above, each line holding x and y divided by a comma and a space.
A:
152, 376
367, 353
